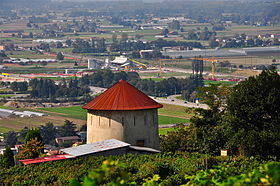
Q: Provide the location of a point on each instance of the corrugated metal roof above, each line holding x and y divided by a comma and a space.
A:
122, 96
45, 159
95, 147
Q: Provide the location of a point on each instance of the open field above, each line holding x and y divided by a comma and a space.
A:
28, 55
163, 131
208, 82
171, 120
165, 74
169, 114
18, 123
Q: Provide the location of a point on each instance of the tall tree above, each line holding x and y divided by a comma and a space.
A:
59, 56
253, 117
8, 157
33, 134
32, 149
11, 138
68, 129
49, 132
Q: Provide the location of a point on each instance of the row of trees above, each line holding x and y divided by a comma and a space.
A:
236, 43
165, 87
94, 46
203, 35
19, 86
122, 45
48, 133
46, 88
244, 119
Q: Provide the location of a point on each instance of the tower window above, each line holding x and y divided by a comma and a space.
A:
140, 143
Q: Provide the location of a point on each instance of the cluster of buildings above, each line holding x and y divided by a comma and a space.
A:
119, 63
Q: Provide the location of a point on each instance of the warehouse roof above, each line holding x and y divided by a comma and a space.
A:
95, 147
122, 96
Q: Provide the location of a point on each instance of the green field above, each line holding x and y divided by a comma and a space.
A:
163, 131
6, 95
171, 120
75, 112
208, 82
174, 110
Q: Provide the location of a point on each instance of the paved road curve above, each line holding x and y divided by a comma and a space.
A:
173, 101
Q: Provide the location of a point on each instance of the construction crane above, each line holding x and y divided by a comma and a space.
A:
142, 65
212, 60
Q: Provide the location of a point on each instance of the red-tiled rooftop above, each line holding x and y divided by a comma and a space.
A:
46, 159
122, 96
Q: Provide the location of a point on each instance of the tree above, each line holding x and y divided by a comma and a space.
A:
69, 42
22, 134
31, 35
29, 25
32, 149
175, 24
59, 45
8, 157
11, 138
124, 37
192, 35
59, 56
49, 132
213, 43
253, 115
68, 129
33, 134
101, 46
165, 32
83, 127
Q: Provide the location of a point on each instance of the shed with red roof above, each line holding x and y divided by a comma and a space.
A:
124, 113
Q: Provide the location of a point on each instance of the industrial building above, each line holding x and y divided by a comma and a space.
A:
124, 113
220, 52
94, 64
5, 113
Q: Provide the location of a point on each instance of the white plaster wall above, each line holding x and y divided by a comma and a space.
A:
127, 126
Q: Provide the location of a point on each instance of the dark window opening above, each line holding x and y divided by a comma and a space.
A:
140, 143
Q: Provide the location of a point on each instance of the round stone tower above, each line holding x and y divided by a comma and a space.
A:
124, 113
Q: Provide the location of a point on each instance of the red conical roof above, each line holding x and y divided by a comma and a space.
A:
122, 96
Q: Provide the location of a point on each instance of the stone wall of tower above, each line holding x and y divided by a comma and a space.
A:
133, 127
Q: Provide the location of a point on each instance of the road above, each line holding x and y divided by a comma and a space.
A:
172, 100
